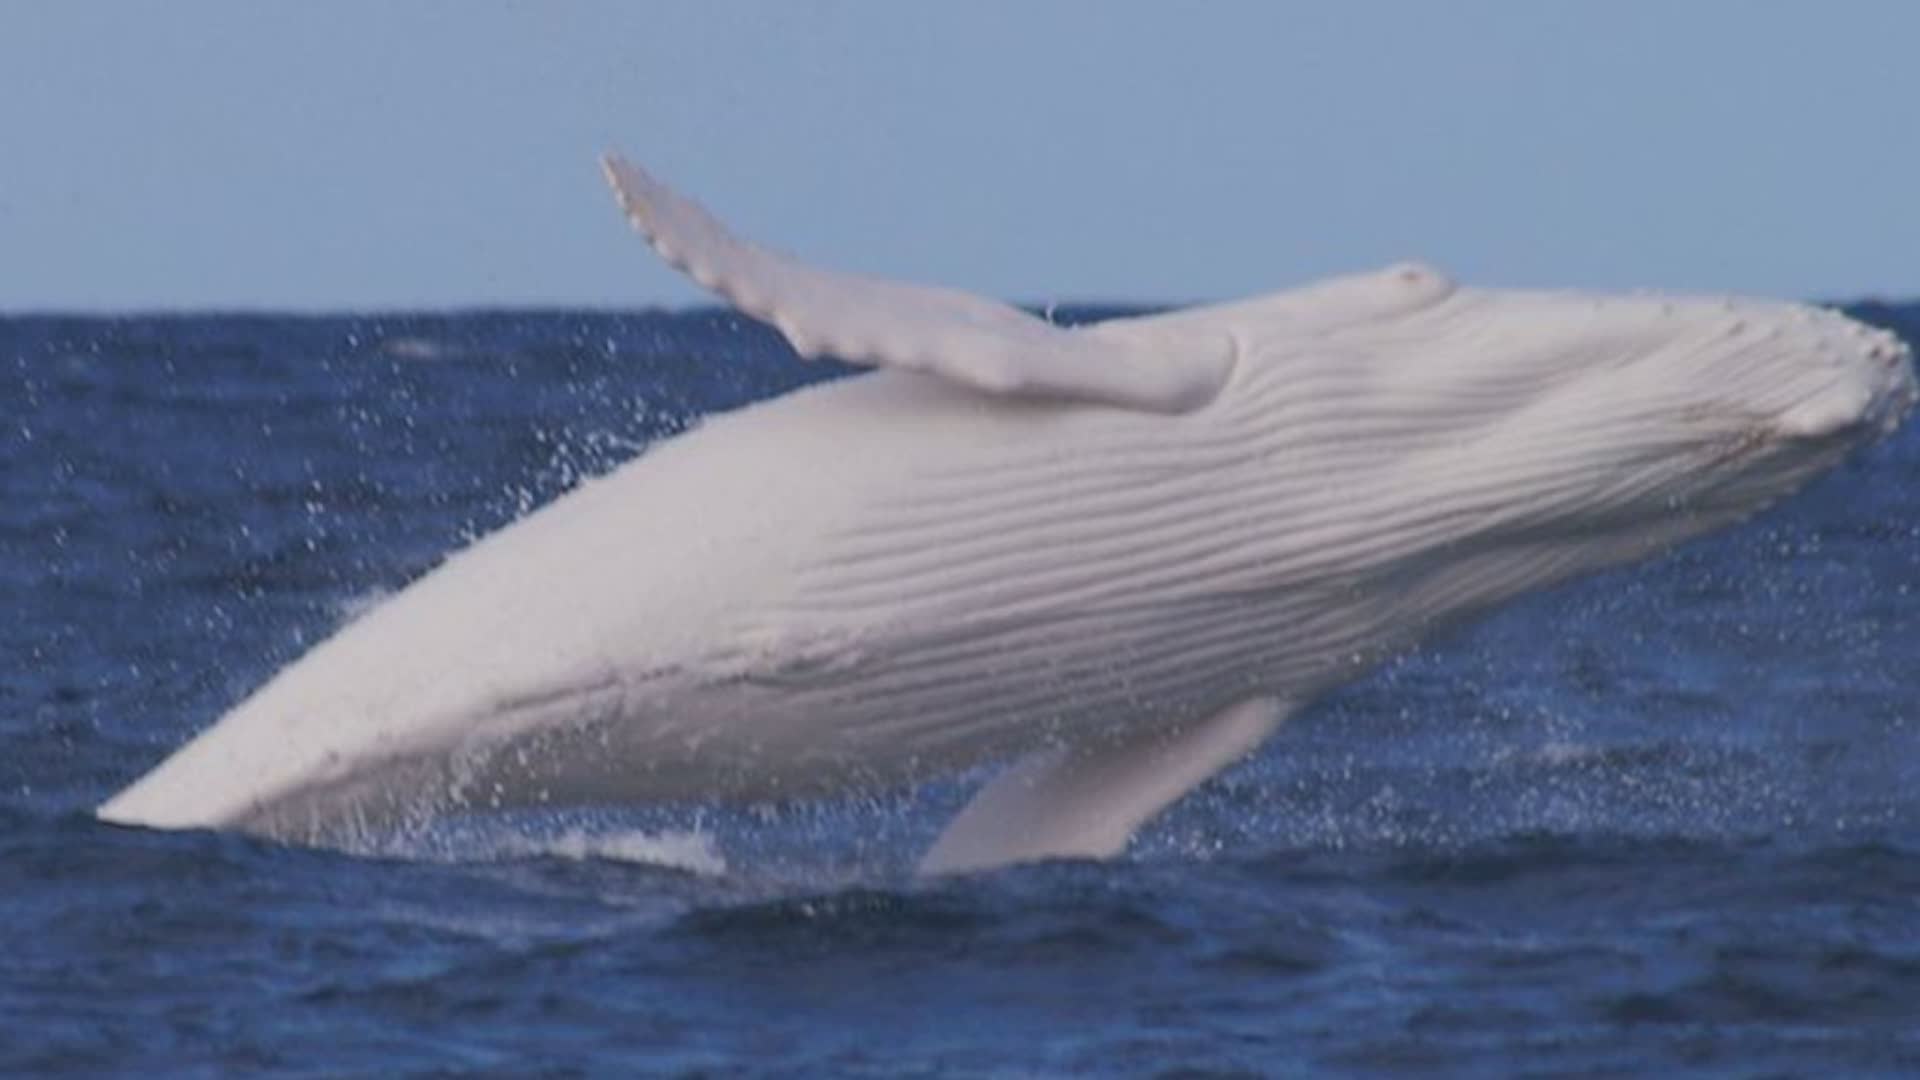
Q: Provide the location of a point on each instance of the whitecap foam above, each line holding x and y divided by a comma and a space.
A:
675, 849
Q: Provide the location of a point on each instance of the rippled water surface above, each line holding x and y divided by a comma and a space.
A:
1663, 819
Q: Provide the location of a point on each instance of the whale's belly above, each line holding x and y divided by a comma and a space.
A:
867, 579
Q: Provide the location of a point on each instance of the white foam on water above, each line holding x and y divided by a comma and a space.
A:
676, 849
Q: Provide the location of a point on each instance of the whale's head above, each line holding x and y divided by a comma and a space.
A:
1641, 420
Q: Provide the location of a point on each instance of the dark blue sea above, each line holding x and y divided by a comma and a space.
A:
1665, 820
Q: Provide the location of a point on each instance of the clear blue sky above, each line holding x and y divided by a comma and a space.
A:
345, 155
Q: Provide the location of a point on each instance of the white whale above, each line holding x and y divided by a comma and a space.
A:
1114, 557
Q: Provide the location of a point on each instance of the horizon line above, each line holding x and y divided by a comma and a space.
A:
492, 308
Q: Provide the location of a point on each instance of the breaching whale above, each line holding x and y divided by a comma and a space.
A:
1113, 557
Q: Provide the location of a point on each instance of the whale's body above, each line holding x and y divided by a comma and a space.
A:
1122, 585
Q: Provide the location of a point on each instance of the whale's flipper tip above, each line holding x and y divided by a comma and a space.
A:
966, 339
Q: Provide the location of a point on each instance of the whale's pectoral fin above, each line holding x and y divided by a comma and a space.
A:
1086, 801
958, 336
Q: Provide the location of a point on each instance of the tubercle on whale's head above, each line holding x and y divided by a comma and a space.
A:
1875, 396
1660, 417
1820, 381
1814, 383
1850, 383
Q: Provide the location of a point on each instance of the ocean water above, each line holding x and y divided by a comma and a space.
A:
1662, 820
